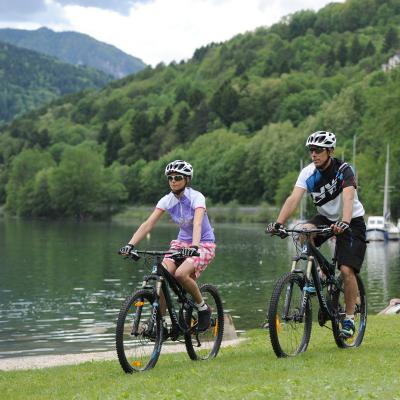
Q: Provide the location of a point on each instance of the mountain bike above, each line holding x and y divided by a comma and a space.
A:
142, 329
290, 314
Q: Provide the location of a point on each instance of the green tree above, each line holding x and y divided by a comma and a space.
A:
41, 205
113, 109
369, 49
182, 125
113, 144
225, 102
285, 187
168, 113
296, 107
196, 96
20, 186
342, 53
77, 185
391, 40
331, 59
356, 50
103, 134
300, 22
141, 128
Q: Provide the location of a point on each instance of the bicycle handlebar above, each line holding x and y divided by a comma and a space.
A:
177, 255
321, 231
284, 232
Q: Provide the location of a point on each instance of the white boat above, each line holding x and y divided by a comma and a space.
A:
393, 231
376, 229
380, 227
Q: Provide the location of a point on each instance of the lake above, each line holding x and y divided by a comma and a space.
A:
62, 283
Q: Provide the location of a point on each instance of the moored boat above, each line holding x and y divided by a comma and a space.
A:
376, 229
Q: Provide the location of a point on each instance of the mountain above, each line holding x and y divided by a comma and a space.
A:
29, 79
75, 48
239, 111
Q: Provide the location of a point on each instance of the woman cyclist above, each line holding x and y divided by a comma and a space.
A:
196, 241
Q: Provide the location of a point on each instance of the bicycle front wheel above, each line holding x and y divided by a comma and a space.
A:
360, 315
205, 345
289, 330
139, 334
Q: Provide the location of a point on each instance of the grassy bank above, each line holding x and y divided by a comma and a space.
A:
232, 212
249, 371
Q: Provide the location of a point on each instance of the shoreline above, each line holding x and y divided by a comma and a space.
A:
48, 361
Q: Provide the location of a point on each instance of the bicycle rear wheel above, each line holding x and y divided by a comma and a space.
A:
138, 333
205, 345
360, 315
289, 331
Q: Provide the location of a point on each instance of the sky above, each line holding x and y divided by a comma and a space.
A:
153, 30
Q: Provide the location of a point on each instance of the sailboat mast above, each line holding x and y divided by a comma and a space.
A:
354, 159
386, 187
302, 200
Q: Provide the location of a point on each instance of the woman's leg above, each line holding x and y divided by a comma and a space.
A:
185, 274
171, 268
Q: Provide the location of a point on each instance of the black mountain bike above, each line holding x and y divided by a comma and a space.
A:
290, 316
141, 329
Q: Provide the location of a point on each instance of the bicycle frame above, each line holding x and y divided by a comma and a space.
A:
165, 281
310, 254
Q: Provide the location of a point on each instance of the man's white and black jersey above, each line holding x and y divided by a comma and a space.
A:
326, 188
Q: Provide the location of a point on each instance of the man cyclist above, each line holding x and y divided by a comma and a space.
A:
332, 186
196, 241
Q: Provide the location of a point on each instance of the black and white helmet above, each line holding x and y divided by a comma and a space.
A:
322, 139
179, 166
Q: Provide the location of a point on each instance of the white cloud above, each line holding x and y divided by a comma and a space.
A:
166, 30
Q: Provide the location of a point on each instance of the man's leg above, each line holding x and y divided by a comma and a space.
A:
350, 297
350, 288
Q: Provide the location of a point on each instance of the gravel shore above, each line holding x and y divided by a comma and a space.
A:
34, 362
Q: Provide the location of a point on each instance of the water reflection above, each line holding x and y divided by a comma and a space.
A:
62, 293
383, 272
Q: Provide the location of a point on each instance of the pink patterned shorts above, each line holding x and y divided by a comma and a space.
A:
206, 250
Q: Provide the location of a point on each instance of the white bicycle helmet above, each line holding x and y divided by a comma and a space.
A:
322, 139
180, 166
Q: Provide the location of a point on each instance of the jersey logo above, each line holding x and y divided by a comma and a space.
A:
328, 192
331, 190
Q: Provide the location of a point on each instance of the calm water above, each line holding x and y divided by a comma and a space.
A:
62, 283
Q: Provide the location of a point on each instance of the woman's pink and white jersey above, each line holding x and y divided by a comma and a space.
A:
182, 212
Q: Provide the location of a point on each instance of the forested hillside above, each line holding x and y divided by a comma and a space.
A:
75, 48
239, 111
29, 80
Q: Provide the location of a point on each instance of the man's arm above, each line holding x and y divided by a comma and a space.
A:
290, 204
348, 198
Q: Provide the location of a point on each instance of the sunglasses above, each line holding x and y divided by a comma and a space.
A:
318, 150
176, 178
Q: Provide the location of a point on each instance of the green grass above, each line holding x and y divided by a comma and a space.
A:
249, 371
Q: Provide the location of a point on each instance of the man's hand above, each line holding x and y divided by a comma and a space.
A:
275, 228
339, 227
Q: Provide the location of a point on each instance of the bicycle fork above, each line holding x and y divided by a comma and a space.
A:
298, 317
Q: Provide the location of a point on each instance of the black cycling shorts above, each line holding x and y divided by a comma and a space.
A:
351, 247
